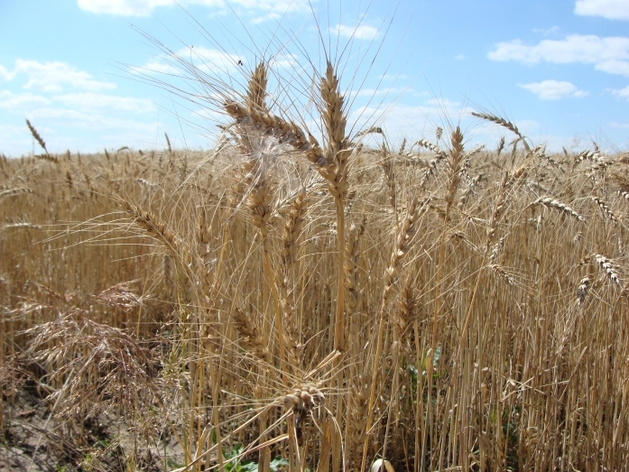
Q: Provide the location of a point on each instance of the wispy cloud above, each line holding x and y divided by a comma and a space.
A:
622, 93
610, 9
21, 101
370, 92
95, 101
208, 60
269, 8
552, 31
553, 89
355, 32
53, 76
100, 122
155, 66
135, 7
410, 121
609, 54
5, 74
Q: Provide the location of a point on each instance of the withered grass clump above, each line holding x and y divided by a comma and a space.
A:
311, 299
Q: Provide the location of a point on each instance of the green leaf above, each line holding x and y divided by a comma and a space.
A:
277, 463
248, 467
436, 357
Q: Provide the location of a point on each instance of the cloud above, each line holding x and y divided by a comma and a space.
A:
210, 61
610, 54
53, 76
271, 8
356, 32
622, 93
135, 7
552, 31
410, 121
263, 18
459, 57
95, 101
95, 121
553, 89
199, 59
370, 92
155, 67
5, 74
22, 101
610, 9
89, 132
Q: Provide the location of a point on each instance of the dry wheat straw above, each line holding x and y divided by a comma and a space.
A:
404, 238
293, 228
386, 162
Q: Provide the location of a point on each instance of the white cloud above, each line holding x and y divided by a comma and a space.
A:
94, 101
17, 141
622, 93
552, 31
553, 89
263, 18
271, 8
610, 9
355, 32
210, 61
200, 59
284, 61
134, 7
609, 54
410, 121
22, 101
5, 74
614, 67
155, 66
370, 92
94, 121
459, 57
52, 76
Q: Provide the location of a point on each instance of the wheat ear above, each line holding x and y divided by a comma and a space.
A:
42, 144
553, 203
256, 90
505, 124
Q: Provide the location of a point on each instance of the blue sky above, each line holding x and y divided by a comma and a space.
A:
87, 76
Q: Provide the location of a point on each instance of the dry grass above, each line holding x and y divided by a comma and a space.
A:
318, 300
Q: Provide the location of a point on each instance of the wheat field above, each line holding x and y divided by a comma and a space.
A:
292, 302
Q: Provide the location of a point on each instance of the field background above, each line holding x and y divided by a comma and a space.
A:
442, 307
